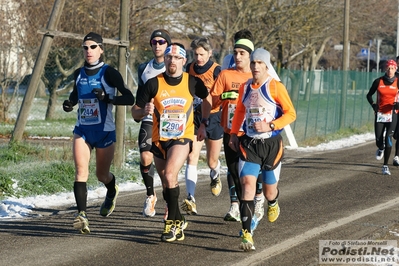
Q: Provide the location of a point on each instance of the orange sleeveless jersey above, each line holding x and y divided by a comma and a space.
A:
173, 116
228, 80
386, 96
208, 80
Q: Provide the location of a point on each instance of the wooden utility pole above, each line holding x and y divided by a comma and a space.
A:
120, 112
37, 72
345, 65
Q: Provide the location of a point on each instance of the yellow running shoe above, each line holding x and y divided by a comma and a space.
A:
180, 226
273, 212
108, 205
169, 231
216, 186
189, 205
247, 243
81, 223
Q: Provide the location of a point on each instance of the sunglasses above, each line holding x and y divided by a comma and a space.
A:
94, 46
160, 42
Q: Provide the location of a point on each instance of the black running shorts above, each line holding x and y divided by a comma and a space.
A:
268, 153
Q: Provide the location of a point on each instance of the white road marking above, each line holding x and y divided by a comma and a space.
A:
299, 239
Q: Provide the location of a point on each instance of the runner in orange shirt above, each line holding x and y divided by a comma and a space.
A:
225, 90
169, 98
207, 70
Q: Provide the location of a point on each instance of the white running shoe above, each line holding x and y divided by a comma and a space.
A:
149, 206
259, 207
379, 154
396, 161
233, 214
385, 170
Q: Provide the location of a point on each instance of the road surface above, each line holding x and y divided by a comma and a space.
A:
323, 196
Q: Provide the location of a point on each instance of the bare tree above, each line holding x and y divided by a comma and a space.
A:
59, 83
14, 61
298, 33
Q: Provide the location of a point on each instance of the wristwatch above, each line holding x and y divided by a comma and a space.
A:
271, 126
205, 121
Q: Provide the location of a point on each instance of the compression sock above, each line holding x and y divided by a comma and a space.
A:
191, 179
147, 172
111, 188
80, 192
247, 209
172, 195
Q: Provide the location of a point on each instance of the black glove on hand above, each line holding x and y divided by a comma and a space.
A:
67, 106
101, 95
396, 105
375, 107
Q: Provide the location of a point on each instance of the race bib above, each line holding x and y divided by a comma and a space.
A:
384, 118
89, 112
172, 125
257, 114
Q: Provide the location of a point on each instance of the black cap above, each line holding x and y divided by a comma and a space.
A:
161, 33
92, 36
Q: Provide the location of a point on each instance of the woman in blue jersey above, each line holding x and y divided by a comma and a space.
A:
94, 92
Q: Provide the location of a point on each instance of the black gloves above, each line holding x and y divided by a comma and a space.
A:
67, 106
375, 107
101, 95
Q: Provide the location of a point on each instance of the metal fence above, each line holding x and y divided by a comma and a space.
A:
322, 106
317, 96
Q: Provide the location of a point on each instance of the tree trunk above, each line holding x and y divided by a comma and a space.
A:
52, 101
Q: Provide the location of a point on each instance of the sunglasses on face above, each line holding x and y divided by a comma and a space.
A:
94, 46
160, 42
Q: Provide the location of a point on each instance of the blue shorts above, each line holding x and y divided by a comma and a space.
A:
269, 177
214, 131
263, 155
96, 139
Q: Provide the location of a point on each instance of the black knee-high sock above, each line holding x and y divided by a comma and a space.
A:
164, 196
172, 195
232, 188
111, 188
247, 209
80, 191
259, 184
147, 172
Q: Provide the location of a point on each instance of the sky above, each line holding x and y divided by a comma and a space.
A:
19, 208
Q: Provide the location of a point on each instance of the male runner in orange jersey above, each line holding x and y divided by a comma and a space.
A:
169, 98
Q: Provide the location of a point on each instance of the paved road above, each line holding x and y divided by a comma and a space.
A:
325, 195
